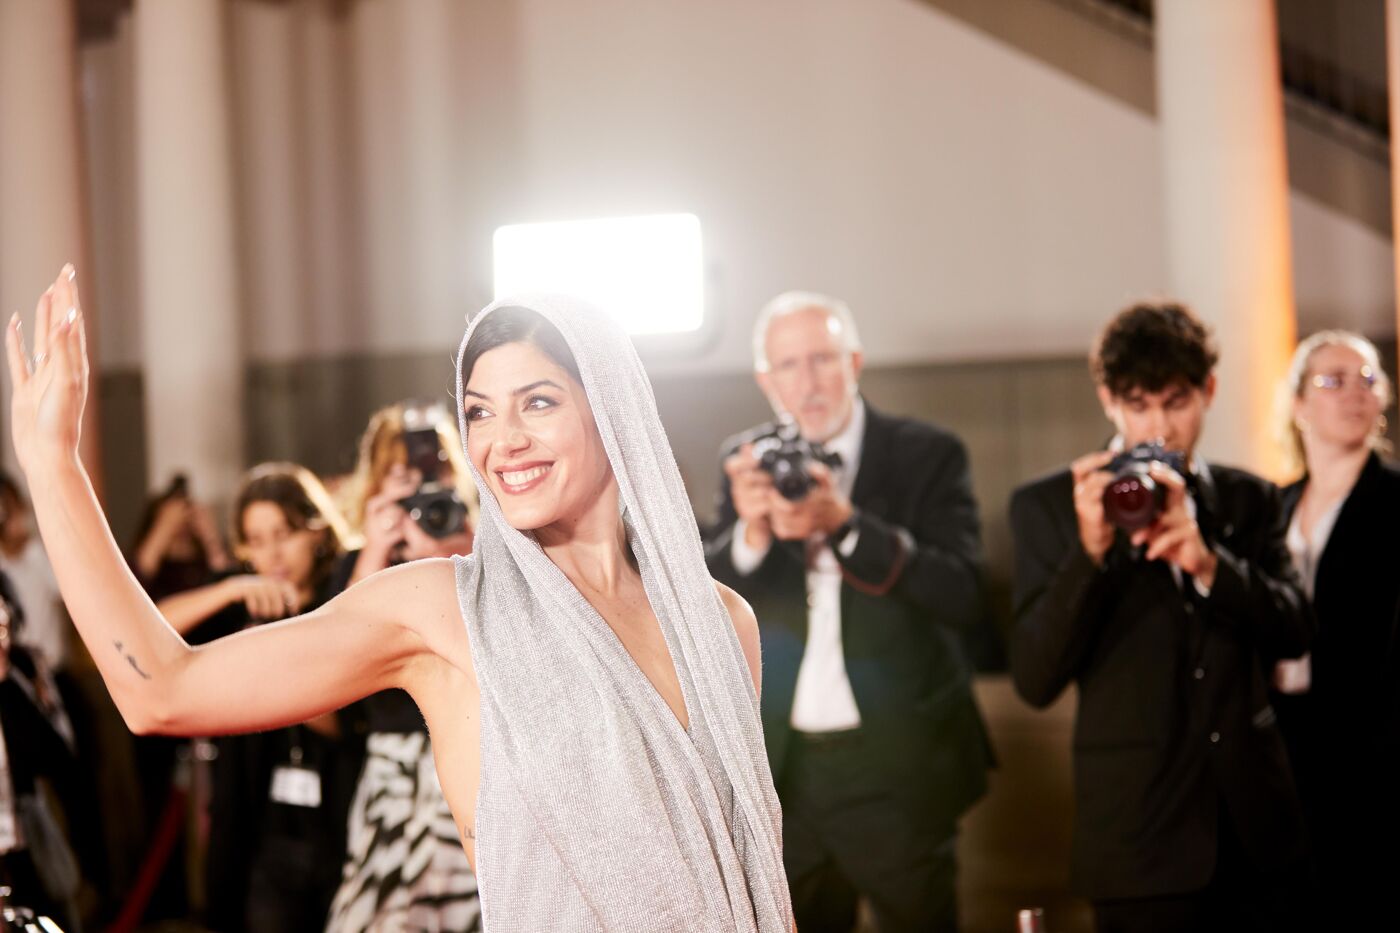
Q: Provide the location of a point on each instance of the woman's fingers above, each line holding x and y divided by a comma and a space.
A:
41, 327
14, 349
73, 337
61, 348
80, 342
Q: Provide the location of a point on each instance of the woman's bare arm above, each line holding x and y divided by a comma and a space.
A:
275, 675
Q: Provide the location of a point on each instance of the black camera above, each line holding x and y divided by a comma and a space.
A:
435, 506
1134, 499
784, 456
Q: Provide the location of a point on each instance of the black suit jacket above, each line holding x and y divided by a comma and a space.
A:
1343, 732
1174, 718
919, 546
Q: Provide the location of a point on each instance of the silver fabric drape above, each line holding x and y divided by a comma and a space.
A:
597, 809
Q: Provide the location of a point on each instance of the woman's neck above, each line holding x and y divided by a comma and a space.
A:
592, 549
1333, 471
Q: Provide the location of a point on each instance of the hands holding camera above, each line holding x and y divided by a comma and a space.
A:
1173, 536
767, 514
391, 534
386, 521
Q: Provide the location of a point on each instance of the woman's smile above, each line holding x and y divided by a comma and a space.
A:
522, 477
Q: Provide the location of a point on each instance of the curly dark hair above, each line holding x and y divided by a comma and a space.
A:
1152, 345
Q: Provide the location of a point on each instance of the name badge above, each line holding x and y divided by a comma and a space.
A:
296, 787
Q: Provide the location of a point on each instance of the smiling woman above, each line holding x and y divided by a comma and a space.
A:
592, 693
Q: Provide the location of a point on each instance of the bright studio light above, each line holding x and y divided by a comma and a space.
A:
648, 271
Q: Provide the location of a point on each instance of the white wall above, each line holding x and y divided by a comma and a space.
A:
969, 201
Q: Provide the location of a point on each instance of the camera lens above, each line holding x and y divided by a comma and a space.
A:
1132, 500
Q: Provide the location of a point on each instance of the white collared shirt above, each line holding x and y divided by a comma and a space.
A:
822, 701
1295, 676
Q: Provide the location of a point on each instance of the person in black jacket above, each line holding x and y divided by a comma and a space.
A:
37, 861
281, 798
1186, 813
861, 588
1337, 704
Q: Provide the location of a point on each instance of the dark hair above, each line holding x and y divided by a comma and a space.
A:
9, 488
303, 502
177, 489
518, 325
1150, 346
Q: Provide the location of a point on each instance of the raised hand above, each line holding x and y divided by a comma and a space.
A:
46, 411
266, 598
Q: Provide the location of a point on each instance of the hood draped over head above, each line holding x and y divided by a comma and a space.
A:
597, 808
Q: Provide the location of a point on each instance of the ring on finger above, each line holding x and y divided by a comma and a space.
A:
39, 358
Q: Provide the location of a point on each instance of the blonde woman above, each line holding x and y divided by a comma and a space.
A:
404, 867
1337, 706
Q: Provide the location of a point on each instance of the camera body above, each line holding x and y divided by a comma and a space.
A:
1133, 499
784, 455
435, 506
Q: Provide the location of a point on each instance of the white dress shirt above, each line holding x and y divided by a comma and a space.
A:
1295, 676
822, 701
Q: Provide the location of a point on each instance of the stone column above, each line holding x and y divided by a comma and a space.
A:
1392, 55
43, 223
192, 347
1220, 104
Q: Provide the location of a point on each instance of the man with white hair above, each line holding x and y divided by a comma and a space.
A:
855, 537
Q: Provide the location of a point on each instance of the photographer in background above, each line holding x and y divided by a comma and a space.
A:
1166, 595
411, 497
178, 545
854, 535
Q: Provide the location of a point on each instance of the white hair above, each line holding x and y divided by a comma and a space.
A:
792, 302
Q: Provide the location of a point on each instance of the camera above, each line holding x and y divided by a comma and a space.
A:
435, 506
784, 455
1134, 499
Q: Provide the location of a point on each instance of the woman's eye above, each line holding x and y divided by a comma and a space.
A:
538, 402
476, 413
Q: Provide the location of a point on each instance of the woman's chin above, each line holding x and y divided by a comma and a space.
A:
529, 519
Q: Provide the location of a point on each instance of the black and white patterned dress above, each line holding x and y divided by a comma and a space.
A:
405, 870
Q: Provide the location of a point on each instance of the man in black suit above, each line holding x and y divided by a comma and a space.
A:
1186, 814
861, 587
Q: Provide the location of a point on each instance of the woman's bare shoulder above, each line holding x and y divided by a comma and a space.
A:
745, 623
422, 594
740, 612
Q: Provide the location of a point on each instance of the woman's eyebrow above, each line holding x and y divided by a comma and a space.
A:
520, 391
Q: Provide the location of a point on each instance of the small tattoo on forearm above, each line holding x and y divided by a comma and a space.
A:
469, 834
132, 661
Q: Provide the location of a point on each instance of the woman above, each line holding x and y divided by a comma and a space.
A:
1337, 705
404, 864
280, 798
177, 543
590, 691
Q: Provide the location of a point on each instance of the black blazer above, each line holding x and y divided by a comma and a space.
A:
1343, 732
920, 546
1356, 596
1174, 717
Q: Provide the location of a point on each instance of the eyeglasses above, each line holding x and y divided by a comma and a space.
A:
1336, 381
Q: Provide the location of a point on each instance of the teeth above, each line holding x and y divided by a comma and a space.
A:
521, 477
